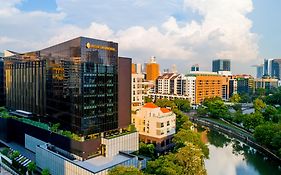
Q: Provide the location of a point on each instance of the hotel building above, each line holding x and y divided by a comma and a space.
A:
86, 87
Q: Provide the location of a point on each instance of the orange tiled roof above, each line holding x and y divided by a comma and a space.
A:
165, 110
150, 105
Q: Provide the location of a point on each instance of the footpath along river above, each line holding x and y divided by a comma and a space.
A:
229, 156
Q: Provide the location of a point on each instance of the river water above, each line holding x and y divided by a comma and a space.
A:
229, 156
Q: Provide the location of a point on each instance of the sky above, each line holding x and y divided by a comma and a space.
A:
180, 32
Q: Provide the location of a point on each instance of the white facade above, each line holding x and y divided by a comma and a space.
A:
127, 143
117, 153
154, 121
137, 89
190, 89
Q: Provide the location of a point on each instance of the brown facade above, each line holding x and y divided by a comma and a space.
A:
152, 71
124, 91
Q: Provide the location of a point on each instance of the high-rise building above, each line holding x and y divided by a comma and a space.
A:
152, 70
221, 65
76, 83
195, 67
2, 85
259, 69
267, 67
276, 69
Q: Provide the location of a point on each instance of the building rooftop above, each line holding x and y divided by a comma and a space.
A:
100, 163
150, 105
165, 110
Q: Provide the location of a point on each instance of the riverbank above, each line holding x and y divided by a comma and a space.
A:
245, 137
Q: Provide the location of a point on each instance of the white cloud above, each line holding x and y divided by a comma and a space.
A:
142, 28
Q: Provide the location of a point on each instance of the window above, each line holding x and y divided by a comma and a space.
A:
162, 125
168, 123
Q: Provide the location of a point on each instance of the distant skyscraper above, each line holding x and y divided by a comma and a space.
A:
276, 68
221, 65
259, 71
195, 67
152, 70
267, 67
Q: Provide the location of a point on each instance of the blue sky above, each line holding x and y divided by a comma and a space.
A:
181, 32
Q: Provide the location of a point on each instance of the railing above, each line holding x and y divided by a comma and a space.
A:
229, 131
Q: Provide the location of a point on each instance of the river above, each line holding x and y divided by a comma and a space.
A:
229, 156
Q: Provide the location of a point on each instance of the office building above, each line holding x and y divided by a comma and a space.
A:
276, 69
245, 84
83, 85
195, 67
152, 70
259, 71
267, 67
2, 85
75, 83
221, 65
265, 83
155, 125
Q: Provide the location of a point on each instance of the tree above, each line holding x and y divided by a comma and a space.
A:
216, 108
259, 105
124, 170
269, 113
181, 118
147, 150
183, 105
191, 159
245, 98
235, 98
147, 100
251, 121
184, 137
45, 172
163, 103
265, 133
31, 167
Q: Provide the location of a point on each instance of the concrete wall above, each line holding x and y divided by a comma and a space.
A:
126, 143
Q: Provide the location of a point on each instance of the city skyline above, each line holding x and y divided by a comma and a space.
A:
179, 32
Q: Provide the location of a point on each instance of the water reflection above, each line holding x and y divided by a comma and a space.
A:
231, 157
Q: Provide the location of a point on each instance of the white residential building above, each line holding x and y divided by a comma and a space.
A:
137, 89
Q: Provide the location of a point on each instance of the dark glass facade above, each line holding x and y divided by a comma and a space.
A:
275, 70
221, 65
78, 83
2, 87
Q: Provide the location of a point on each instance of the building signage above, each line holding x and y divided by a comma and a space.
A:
93, 46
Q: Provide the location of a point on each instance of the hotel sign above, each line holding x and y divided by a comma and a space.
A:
93, 46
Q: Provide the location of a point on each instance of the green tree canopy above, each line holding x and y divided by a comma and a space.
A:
259, 105
124, 170
184, 137
183, 105
251, 121
163, 103
235, 98
216, 108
